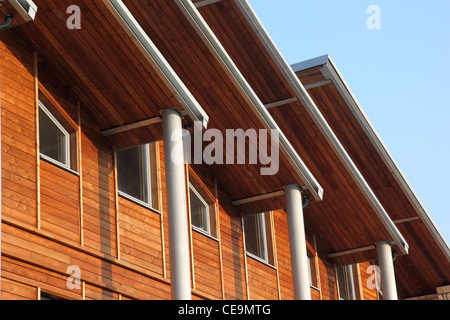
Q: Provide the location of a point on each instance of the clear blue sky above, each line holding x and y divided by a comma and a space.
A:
400, 74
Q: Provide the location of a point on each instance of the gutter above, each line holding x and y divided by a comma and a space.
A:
157, 61
331, 72
211, 41
322, 124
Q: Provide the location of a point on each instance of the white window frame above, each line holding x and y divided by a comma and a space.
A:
207, 216
66, 134
146, 175
347, 270
261, 221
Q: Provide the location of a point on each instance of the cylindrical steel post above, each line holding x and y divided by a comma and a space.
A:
297, 242
180, 270
386, 264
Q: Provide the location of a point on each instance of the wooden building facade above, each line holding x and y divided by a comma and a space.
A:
87, 200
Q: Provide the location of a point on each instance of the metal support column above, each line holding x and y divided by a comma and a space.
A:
297, 242
180, 270
386, 264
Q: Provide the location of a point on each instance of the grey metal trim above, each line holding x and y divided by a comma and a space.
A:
318, 84
330, 71
26, 8
311, 63
281, 103
320, 121
350, 251
405, 220
258, 198
205, 3
131, 126
157, 61
216, 48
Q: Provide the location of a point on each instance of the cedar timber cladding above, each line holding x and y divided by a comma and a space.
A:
96, 79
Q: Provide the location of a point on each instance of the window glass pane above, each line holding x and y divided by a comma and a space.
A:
255, 235
199, 210
133, 172
342, 282
53, 140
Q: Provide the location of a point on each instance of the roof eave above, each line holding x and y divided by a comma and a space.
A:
331, 72
320, 121
261, 112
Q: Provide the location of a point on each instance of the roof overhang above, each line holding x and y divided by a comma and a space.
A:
332, 75
16, 12
429, 250
321, 123
158, 62
198, 23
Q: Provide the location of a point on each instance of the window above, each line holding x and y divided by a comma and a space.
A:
202, 205
200, 215
44, 296
312, 272
133, 173
138, 174
346, 284
258, 237
54, 138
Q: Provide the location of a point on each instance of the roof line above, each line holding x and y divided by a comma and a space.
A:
261, 112
321, 122
156, 59
311, 63
331, 72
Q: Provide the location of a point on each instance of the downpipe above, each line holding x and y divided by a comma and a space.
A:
8, 22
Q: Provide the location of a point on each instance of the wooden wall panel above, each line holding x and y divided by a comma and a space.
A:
368, 294
99, 216
59, 202
96, 293
327, 279
49, 282
18, 126
140, 236
262, 281
206, 265
283, 255
233, 260
13, 290
54, 258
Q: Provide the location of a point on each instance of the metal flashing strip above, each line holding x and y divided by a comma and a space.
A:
216, 48
311, 63
350, 251
281, 103
131, 126
205, 3
258, 198
320, 121
157, 60
26, 8
330, 71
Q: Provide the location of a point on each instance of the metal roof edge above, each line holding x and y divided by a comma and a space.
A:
310, 63
214, 45
331, 72
320, 121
